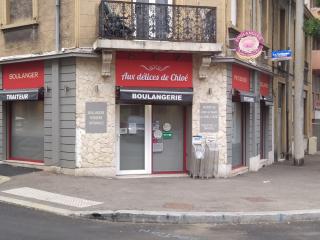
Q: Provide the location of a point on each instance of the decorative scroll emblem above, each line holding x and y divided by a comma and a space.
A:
155, 67
249, 45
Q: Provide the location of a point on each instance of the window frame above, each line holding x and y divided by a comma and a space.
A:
10, 137
233, 12
5, 21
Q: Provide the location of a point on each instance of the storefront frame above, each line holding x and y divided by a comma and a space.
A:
185, 170
9, 137
148, 154
243, 135
22, 83
148, 141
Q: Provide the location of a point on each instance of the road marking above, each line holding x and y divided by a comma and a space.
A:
51, 197
18, 202
166, 235
4, 179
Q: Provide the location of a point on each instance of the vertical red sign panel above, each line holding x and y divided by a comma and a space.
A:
240, 78
264, 85
23, 75
145, 69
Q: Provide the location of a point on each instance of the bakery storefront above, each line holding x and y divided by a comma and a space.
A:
154, 96
22, 97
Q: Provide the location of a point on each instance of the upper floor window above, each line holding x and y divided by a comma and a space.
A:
18, 12
283, 29
314, 3
234, 12
264, 18
307, 3
237, 13
316, 44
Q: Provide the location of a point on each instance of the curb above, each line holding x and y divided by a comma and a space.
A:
135, 216
203, 217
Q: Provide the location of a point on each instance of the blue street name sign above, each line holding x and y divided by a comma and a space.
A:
281, 55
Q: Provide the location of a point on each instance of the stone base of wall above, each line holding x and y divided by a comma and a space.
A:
312, 146
270, 157
223, 171
255, 163
89, 172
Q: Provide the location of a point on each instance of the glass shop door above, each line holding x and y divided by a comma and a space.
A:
168, 139
134, 150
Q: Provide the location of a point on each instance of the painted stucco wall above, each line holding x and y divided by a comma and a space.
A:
40, 38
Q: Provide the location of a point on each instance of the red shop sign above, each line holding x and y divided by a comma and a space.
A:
23, 75
264, 85
240, 78
163, 70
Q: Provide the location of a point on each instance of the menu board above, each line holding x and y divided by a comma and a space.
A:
209, 117
96, 117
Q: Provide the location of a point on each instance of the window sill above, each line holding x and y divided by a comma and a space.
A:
19, 25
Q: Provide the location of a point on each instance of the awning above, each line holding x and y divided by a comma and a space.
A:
154, 96
268, 101
246, 97
21, 94
258, 67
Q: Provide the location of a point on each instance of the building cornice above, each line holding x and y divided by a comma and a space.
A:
64, 53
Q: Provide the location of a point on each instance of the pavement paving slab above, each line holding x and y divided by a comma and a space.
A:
277, 189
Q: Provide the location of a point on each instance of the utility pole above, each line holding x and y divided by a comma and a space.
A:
298, 157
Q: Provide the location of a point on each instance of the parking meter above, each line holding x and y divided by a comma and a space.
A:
212, 143
199, 146
199, 149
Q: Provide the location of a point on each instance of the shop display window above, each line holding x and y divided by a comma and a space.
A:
26, 136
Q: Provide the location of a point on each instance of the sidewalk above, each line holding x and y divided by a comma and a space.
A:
280, 192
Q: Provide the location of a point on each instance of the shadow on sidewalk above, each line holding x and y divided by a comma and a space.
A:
10, 171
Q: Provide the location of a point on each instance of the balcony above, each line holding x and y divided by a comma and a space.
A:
135, 25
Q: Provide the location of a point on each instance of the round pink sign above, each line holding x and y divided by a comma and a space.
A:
249, 44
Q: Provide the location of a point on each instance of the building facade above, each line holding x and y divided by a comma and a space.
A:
121, 87
284, 38
315, 9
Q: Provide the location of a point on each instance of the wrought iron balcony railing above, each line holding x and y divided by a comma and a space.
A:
163, 22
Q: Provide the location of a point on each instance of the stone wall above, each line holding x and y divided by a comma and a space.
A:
213, 89
95, 150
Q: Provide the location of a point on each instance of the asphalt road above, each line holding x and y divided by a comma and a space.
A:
18, 223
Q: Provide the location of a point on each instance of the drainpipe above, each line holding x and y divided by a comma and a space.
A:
57, 25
